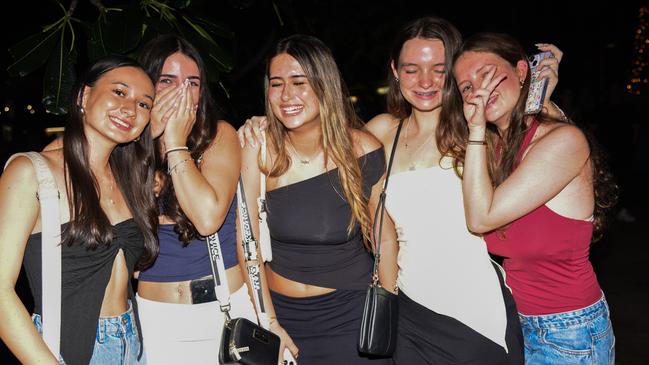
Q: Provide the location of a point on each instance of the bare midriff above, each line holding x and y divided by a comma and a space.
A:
179, 292
290, 288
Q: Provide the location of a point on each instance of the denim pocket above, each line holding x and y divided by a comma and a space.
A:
574, 340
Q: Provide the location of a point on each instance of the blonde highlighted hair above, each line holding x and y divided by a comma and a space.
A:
337, 118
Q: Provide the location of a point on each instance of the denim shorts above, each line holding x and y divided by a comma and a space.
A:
116, 342
583, 336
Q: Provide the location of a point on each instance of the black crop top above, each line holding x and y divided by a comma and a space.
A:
84, 277
308, 223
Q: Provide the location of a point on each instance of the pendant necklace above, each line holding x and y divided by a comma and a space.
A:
411, 163
304, 161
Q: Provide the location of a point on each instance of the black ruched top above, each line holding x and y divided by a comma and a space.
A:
308, 223
84, 277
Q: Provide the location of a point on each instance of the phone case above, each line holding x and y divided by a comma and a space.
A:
536, 94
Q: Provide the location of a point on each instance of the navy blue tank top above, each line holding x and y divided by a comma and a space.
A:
178, 263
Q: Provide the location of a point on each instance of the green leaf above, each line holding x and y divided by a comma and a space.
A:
32, 52
123, 29
212, 52
179, 4
95, 44
59, 78
213, 27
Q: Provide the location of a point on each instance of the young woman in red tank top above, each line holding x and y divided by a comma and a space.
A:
536, 187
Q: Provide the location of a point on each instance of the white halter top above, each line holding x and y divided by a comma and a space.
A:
442, 266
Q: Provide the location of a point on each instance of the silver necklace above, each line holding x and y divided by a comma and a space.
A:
411, 163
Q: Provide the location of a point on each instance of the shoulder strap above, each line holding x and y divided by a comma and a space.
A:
221, 287
48, 195
380, 209
250, 255
264, 233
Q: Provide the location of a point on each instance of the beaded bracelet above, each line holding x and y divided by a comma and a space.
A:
181, 148
476, 142
172, 168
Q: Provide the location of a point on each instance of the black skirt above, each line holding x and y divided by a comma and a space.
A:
427, 337
325, 327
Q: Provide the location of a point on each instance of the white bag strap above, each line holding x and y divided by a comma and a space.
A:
48, 195
264, 233
250, 254
221, 287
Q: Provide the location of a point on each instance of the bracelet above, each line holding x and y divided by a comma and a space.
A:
181, 148
477, 142
562, 115
172, 168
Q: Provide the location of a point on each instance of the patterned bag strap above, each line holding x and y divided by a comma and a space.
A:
49, 196
251, 257
264, 233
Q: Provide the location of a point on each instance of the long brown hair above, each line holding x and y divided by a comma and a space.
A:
153, 56
131, 164
509, 49
337, 118
450, 137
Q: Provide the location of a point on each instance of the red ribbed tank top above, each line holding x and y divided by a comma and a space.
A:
546, 258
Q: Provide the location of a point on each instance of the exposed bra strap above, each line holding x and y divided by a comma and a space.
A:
48, 196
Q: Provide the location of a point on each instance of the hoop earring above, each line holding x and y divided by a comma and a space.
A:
522, 83
137, 139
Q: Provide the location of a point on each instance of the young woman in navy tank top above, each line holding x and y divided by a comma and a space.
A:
320, 173
103, 172
197, 160
537, 187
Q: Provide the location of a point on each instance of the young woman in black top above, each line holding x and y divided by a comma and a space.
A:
104, 175
320, 171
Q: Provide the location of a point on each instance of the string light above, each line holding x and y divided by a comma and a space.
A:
638, 79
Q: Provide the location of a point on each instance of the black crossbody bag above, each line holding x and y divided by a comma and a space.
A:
378, 333
242, 341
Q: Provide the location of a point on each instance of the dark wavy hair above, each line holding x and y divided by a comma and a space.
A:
153, 56
131, 164
509, 49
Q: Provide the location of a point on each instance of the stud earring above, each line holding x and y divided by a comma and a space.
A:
82, 110
137, 139
396, 79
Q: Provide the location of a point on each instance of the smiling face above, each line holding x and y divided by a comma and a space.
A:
118, 105
290, 94
469, 71
421, 73
176, 69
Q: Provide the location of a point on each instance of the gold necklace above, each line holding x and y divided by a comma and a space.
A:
411, 163
304, 161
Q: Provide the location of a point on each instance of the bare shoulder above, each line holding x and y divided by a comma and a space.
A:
382, 126
364, 142
563, 134
566, 141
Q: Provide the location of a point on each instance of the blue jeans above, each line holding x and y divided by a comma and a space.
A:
116, 342
583, 336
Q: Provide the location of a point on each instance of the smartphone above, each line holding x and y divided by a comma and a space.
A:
538, 87
288, 358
